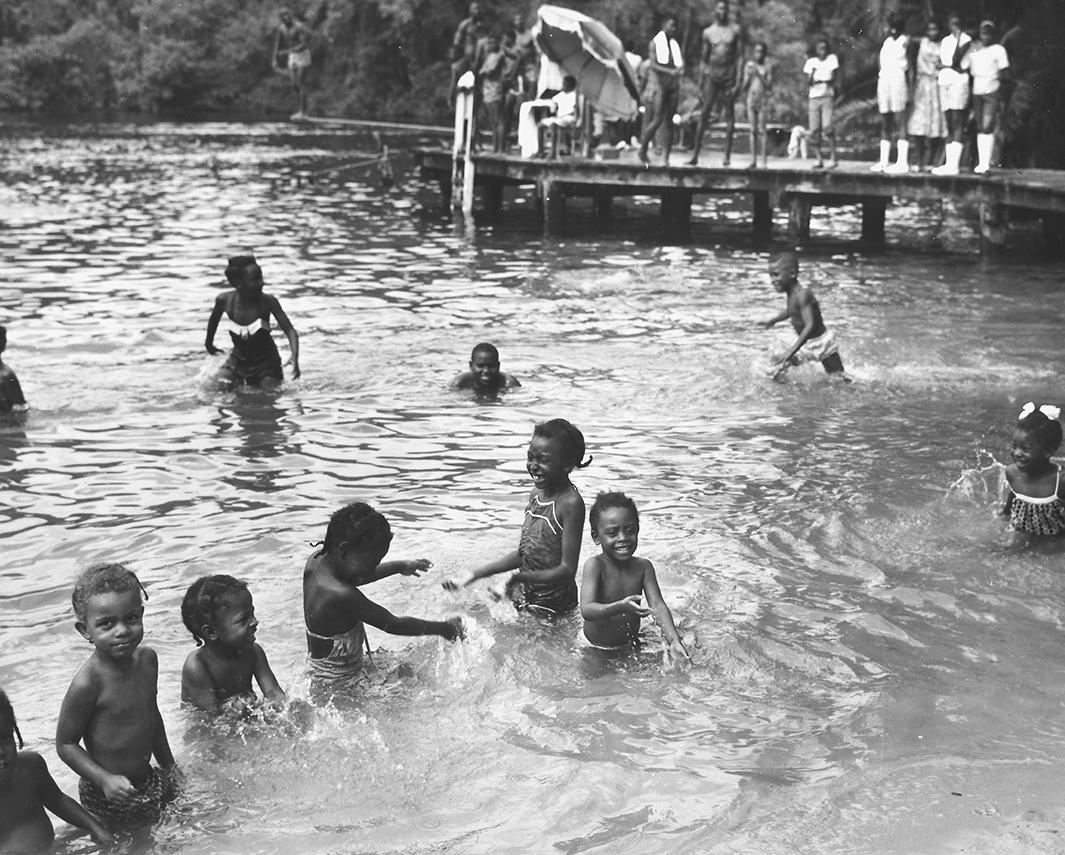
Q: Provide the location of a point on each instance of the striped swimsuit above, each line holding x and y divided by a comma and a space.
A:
540, 548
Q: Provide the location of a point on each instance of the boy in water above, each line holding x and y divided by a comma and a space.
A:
10, 390
111, 706
27, 789
219, 612
484, 376
615, 581
815, 342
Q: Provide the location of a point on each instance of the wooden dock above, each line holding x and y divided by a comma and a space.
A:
789, 185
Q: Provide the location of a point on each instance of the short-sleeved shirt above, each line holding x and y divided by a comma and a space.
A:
985, 63
947, 48
821, 69
893, 56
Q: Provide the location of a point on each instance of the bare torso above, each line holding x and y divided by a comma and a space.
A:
616, 584
721, 49
25, 826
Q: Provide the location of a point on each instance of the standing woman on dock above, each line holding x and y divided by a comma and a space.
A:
892, 96
926, 121
667, 66
953, 93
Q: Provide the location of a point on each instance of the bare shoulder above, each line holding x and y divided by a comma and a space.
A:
147, 662
594, 565
571, 501
462, 381
511, 381
194, 663
34, 764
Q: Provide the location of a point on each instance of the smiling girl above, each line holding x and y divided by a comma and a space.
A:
1034, 496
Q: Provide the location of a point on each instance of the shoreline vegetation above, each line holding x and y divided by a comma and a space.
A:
389, 59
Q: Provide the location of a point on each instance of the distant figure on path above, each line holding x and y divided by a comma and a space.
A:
926, 129
719, 78
666, 67
464, 46
814, 341
484, 376
953, 93
757, 83
10, 391
987, 63
892, 96
821, 71
292, 50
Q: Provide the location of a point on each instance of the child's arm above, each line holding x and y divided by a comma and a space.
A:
592, 609
160, 744
290, 333
510, 561
745, 79
413, 567
63, 806
777, 318
74, 717
768, 76
13, 390
212, 324
1006, 494
662, 614
572, 520
197, 687
264, 676
277, 49
370, 612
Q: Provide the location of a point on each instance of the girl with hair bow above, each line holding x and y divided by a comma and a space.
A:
1034, 496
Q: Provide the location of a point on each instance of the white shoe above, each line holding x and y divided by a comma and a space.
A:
902, 164
878, 167
885, 157
951, 160
985, 148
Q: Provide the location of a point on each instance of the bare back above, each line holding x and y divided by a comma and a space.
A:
802, 298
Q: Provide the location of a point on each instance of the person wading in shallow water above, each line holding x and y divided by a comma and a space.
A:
292, 51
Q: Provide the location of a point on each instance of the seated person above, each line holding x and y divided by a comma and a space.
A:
484, 376
565, 112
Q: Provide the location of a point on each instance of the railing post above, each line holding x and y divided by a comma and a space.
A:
462, 185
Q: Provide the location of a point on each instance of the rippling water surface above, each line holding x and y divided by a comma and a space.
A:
878, 665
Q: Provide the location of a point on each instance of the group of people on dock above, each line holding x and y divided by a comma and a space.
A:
927, 88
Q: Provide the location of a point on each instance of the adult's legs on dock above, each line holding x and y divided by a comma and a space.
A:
714, 92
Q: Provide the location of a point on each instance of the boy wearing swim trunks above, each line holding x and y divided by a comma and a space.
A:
814, 341
109, 725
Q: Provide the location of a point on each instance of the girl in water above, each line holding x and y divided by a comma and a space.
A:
335, 610
254, 360
543, 569
1034, 496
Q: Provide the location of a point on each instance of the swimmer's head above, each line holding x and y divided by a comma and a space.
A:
235, 268
607, 501
8, 726
784, 270
1038, 431
357, 528
205, 599
104, 578
484, 365
567, 440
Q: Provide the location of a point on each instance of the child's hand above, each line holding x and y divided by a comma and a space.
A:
456, 629
456, 582
416, 567
502, 589
633, 606
214, 351
102, 837
677, 650
769, 324
118, 789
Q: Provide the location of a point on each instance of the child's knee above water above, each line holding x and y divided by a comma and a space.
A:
1034, 495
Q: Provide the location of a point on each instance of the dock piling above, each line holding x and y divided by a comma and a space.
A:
992, 227
799, 208
762, 209
874, 214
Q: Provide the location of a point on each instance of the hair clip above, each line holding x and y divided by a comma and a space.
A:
1049, 410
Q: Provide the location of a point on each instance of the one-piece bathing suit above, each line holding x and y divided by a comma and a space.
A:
1038, 515
254, 357
540, 548
345, 659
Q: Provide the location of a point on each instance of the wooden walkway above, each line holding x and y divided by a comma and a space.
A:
790, 185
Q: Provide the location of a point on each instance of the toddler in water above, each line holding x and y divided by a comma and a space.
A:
27, 789
1034, 496
219, 612
543, 569
615, 581
484, 376
254, 360
10, 390
111, 706
335, 610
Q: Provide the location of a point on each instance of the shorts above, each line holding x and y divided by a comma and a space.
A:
756, 114
892, 93
818, 349
299, 59
719, 90
146, 808
985, 112
821, 110
955, 94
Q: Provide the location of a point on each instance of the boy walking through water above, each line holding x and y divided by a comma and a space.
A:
814, 341
719, 80
294, 45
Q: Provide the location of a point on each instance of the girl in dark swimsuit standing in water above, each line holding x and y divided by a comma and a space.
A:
254, 360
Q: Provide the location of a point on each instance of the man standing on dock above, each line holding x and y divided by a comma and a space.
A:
719, 79
464, 46
667, 65
292, 50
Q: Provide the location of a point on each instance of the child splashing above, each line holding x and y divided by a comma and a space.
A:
1034, 496
335, 610
254, 360
543, 569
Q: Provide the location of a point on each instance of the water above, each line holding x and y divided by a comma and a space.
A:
877, 665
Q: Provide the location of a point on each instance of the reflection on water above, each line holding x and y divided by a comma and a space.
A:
877, 663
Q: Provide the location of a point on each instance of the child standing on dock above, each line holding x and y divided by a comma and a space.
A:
821, 71
925, 127
757, 83
987, 62
892, 96
814, 341
490, 73
1034, 495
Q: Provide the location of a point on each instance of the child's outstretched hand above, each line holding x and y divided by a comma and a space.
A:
214, 351
677, 651
415, 567
453, 583
633, 606
457, 629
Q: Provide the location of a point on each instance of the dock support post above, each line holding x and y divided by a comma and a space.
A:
603, 205
798, 219
676, 212
553, 203
462, 145
992, 227
445, 195
1054, 234
763, 213
493, 197
874, 213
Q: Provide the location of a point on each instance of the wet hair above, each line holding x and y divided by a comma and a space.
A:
606, 501
789, 255
1045, 430
203, 599
485, 347
356, 524
569, 436
104, 578
7, 718
236, 266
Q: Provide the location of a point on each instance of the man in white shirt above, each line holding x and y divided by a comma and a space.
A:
821, 70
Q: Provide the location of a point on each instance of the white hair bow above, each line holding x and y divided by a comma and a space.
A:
1048, 410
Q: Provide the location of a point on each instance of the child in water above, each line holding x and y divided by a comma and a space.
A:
335, 610
254, 360
10, 390
484, 376
219, 612
543, 569
615, 581
27, 789
111, 706
1034, 495
815, 342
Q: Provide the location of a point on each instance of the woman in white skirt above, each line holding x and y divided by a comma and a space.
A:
926, 120
892, 96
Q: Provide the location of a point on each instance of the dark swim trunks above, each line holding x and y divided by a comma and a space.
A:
156, 791
254, 358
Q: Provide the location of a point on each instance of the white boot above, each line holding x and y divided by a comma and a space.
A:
951, 160
985, 148
903, 163
885, 157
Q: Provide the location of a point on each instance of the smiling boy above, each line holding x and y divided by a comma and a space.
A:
484, 376
111, 706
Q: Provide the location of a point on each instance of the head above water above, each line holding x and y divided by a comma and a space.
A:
8, 725
570, 441
604, 502
784, 270
203, 601
105, 578
357, 526
1042, 425
236, 266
